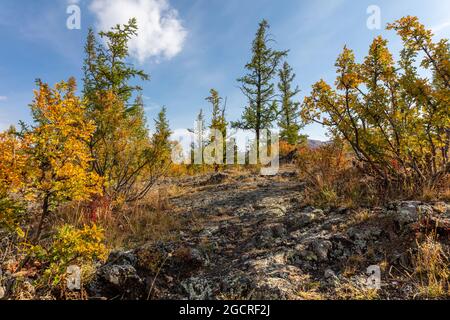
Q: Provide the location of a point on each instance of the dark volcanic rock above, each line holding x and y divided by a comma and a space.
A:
118, 278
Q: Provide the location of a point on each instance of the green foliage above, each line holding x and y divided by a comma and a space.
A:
218, 120
161, 139
12, 214
290, 111
158, 155
69, 246
121, 144
257, 84
105, 67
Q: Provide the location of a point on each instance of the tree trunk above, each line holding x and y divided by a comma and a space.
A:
44, 214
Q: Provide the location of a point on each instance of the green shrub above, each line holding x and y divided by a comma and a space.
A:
69, 246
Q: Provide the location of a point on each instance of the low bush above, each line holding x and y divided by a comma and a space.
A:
69, 246
333, 177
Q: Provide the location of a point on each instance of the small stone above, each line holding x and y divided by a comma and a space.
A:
317, 213
406, 213
329, 274
278, 231
321, 249
308, 255
342, 210
299, 220
119, 275
216, 178
196, 258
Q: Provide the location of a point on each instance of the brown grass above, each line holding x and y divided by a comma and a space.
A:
148, 220
432, 269
439, 192
309, 290
333, 177
351, 291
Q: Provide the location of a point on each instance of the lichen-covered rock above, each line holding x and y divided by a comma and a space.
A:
295, 221
321, 248
406, 213
118, 277
216, 178
197, 288
329, 274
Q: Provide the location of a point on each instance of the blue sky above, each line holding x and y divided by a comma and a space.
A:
190, 46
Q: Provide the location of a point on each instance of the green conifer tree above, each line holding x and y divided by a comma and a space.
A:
257, 85
289, 111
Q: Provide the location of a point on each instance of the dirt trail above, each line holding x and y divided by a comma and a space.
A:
239, 219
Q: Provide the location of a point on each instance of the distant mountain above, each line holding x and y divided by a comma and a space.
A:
315, 143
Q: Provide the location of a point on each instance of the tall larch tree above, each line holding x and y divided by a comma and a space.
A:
161, 139
289, 109
121, 143
218, 119
257, 85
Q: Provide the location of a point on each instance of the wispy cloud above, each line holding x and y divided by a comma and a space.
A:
150, 105
160, 34
440, 27
3, 98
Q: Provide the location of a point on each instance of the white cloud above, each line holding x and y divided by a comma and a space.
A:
3, 98
160, 33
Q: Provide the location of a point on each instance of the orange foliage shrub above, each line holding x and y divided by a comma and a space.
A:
333, 177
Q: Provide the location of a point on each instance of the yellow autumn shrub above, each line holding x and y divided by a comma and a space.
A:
396, 121
69, 246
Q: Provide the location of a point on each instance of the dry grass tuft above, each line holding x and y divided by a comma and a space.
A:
333, 179
439, 192
310, 291
432, 269
148, 220
351, 291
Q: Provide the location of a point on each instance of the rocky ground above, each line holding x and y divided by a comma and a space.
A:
247, 236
